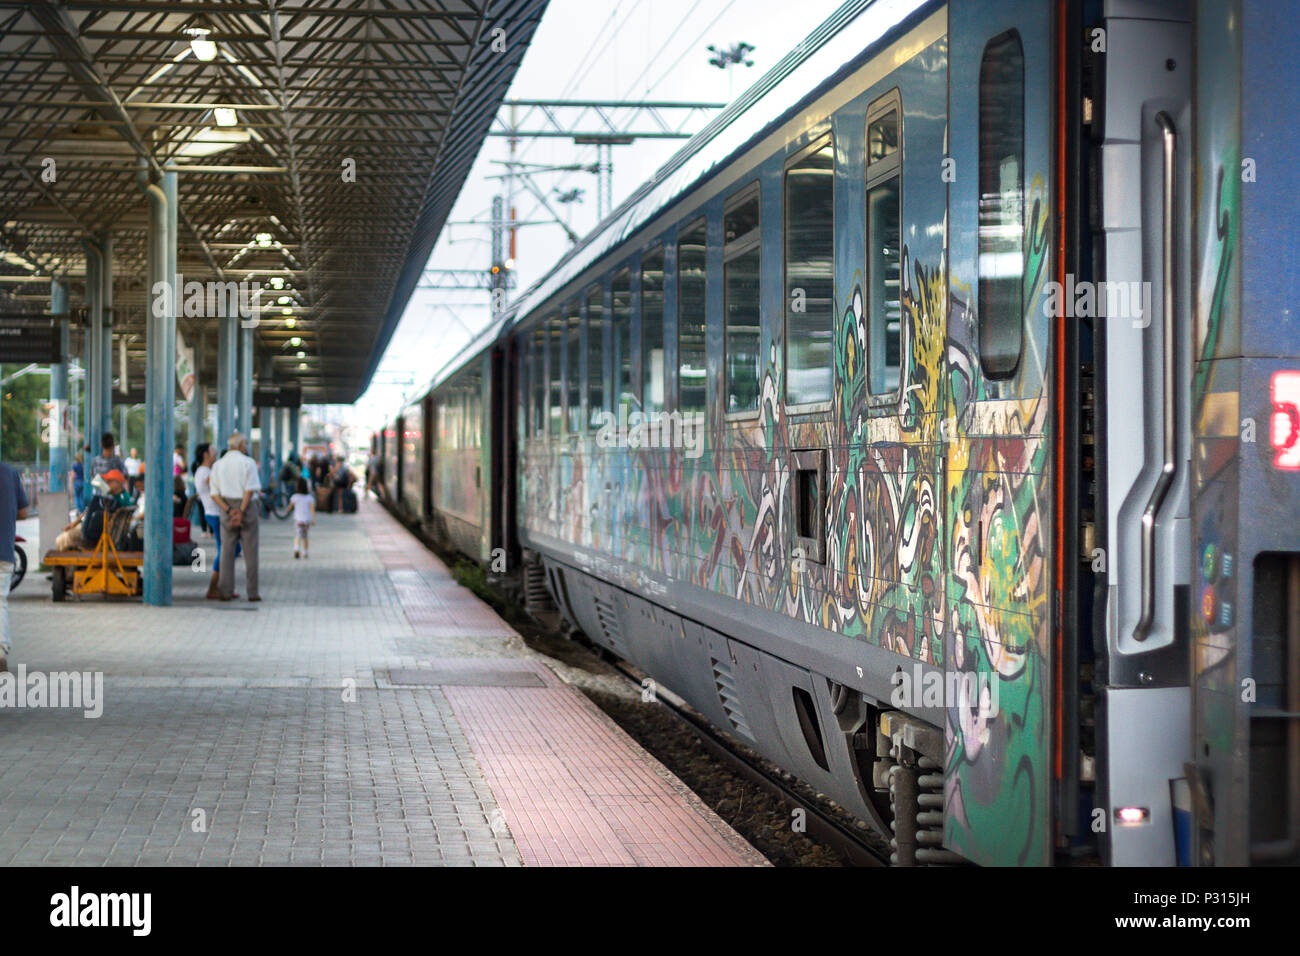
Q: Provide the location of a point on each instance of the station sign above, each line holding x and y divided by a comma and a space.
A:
275, 395
26, 339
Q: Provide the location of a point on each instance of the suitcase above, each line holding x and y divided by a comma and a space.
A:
324, 499
349, 501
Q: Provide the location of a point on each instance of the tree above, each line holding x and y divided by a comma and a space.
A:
20, 414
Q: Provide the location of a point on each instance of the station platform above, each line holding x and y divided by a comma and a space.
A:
368, 711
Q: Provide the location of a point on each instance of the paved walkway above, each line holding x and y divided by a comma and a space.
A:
368, 711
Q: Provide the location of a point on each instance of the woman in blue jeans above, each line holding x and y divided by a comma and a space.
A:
204, 456
79, 482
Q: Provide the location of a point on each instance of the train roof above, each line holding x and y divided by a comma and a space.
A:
835, 46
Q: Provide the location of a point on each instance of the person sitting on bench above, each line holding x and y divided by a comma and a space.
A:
110, 494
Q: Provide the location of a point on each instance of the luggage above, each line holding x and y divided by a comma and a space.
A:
349, 501
325, 499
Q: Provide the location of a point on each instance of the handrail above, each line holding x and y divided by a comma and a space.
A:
1169, 423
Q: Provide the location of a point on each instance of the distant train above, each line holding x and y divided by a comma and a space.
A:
931, 423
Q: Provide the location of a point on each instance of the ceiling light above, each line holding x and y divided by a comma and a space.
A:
277, 282
302, 355
295, 341
302, 365
290, 323
225, 116
263, 239
284, 300
210, 140
286, 311
204, 49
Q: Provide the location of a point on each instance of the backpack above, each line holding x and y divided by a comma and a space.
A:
92, 522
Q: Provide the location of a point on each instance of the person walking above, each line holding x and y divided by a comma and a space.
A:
13, 506
79, 481
234, 483
304, 516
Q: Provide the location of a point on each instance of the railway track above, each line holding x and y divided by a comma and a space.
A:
821, 824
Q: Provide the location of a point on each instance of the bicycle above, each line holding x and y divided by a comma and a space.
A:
274, 502
20, 564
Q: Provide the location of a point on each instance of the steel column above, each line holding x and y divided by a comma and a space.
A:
106, 339
294, 415
264, 444
59, 414
227, 373
244, 420
92, 347
198, 402
278, 450
160, 393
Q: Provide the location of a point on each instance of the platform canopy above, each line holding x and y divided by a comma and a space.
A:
319, 146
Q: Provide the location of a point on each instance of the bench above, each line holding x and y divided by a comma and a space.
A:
103, 570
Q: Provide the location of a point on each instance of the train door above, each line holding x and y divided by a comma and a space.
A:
1141, 300
998, 655
1245, 553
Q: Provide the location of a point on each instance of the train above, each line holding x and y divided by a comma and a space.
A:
930, 423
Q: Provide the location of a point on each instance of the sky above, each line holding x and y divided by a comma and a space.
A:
628, 49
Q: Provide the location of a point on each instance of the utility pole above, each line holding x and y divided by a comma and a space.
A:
600, 123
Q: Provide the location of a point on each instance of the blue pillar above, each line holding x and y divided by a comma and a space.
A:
77, 416
106, 340
59, 412
277, 450
94, 349
294, 414
198, 402
245, 423
227, 372
160, 394
264, 444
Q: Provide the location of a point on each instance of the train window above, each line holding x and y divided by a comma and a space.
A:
1001, 269
595, 356
809, 274
652, 331
741, 284
555, 354
539, 381
572, 371
692, 369
621, 360
884, 245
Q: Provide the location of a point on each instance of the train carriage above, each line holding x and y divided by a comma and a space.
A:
902, 424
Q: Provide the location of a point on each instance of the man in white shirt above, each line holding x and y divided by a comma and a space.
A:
233, 483
132, 470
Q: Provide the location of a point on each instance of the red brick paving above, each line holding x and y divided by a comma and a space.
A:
574, 788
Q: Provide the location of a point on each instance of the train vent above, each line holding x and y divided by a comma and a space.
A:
609, 625
725, 681
536, 598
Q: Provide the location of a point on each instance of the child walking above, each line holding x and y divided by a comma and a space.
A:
304, 516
